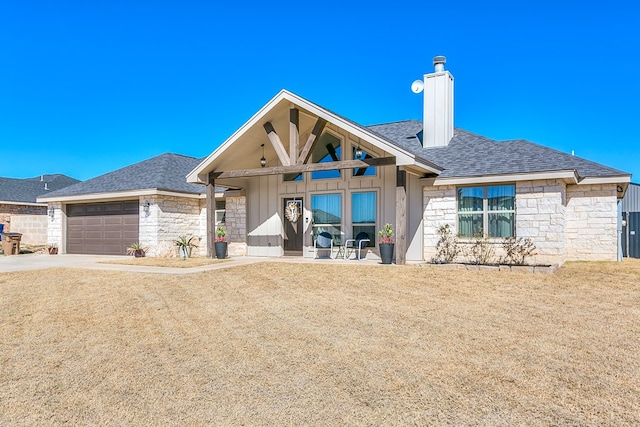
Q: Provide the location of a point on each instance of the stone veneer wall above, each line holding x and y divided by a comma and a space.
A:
54, 227
236, 225
170, 217
574, 222
541, 216
591, 222
439, 209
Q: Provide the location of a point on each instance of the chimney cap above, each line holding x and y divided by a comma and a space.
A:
438, 62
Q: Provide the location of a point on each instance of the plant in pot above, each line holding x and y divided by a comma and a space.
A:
52, 248
185, 245
137, 250
386, 243
220, 243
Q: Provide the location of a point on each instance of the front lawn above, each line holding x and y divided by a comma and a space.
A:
321, 344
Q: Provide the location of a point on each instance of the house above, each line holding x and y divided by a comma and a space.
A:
345, 178
148, 202
19, 210
630, 207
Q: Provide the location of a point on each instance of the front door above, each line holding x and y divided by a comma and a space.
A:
293, 230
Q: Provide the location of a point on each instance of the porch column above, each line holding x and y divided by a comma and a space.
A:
211, 214
401, 216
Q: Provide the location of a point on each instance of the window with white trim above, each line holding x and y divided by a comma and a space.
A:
487, 211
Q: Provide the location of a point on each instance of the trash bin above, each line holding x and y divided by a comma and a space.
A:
1, 230
11, 243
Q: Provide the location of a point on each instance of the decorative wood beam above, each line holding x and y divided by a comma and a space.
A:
211, 215
401, 216
310, 167
294, 135
277, 144
311, 141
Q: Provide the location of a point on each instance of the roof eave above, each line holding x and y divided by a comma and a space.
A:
131, 194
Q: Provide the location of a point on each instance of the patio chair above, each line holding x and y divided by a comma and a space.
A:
352, 245
323, 242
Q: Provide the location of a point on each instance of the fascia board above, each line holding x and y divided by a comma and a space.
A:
196, 176
569, 175
619, 179
122, 195
7, 202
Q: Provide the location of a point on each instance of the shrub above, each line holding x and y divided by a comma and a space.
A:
517, 250
447, 247
481, 251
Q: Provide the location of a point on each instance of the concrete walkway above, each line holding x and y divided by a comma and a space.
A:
26, 262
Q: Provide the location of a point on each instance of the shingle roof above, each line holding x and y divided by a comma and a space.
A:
28, 189
164, 172
469, 154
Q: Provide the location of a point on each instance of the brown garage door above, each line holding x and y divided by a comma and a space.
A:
102, 228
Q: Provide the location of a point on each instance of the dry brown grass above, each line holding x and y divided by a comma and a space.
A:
166, 262
307, 344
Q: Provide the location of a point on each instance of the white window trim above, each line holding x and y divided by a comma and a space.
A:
485, 210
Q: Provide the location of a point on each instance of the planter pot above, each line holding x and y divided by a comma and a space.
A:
138, 253
386, 252
184, 251
52, 251
221, 250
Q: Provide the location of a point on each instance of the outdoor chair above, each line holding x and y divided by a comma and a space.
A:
323, 242
352, 245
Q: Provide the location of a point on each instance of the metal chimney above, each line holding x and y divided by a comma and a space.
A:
438, 63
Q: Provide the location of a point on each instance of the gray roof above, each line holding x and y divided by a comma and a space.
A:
28, 189
469, 154
164, 172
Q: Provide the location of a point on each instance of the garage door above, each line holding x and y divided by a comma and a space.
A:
102, 228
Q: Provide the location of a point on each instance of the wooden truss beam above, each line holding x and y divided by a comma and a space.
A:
277, 144
294, 135
311, 141
309, 167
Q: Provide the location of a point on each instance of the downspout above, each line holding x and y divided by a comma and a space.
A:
619, 229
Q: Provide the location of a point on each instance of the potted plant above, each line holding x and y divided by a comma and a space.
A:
386, 243
185, 245
221, 243
52, 248
137, 250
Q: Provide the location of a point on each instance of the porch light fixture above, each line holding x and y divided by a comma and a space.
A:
358, 152
263, 161
146, 207
52, 212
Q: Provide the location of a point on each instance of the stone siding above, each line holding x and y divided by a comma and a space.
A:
565, 222
439, 209
592, 218
55, 227
540, 215
168, 218
236, 225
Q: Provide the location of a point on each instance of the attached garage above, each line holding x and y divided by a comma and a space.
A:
102, 228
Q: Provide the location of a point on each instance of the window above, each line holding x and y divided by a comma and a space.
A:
488, 210
327, 149
365, 171
327, 214
221, 210
363, 215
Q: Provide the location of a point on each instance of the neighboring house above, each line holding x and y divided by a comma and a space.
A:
148, 202
19, 210
630, 207
346, 178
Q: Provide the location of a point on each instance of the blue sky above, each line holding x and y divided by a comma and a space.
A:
89, 87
